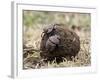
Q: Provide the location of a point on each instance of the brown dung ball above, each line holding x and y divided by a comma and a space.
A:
58, 43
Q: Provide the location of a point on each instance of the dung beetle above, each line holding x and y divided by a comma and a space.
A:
47, 30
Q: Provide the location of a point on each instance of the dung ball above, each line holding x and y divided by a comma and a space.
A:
59, 42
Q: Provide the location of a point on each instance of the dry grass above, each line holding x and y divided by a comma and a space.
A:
32, 59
